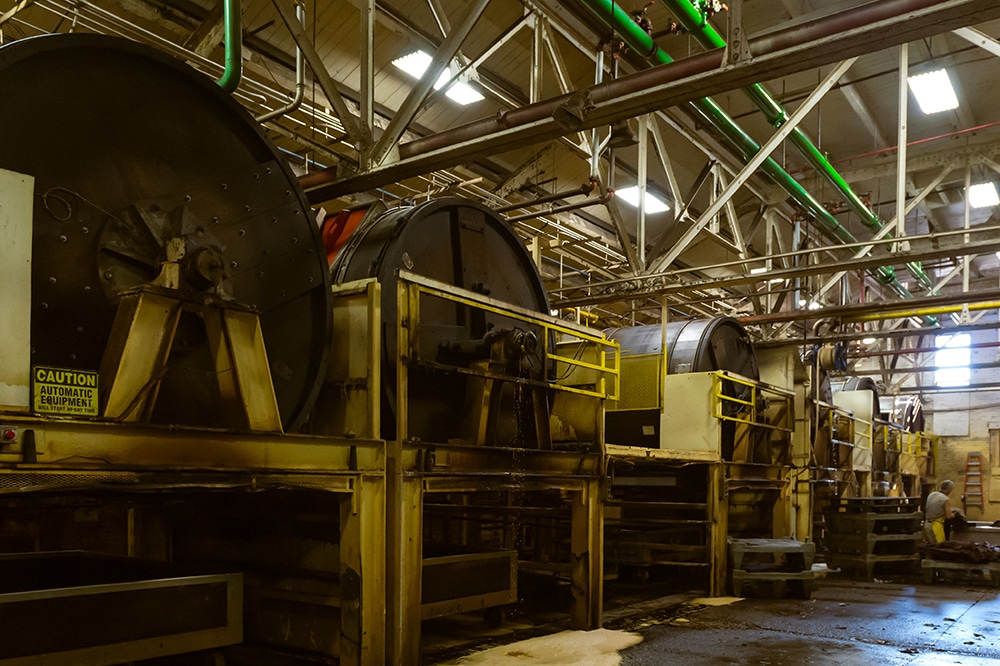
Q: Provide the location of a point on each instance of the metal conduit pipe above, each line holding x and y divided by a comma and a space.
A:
695, 23
300, 78
233, 30
712, 114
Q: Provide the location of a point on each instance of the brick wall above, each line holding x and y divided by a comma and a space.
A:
981, 410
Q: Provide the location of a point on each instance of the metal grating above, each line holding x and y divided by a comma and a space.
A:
35, 481
640, 383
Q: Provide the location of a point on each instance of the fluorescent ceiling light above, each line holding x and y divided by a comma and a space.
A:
868, 341
462, 93
933, 91
630, 195
758, 271
416, 63
815, 306
983, 195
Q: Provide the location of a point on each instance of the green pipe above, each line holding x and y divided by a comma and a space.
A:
694, 21
233, 29
712, 114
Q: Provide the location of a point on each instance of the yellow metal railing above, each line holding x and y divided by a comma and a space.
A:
606, 354
748, 409
863, 436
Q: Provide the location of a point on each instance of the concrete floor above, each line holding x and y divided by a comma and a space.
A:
846, 622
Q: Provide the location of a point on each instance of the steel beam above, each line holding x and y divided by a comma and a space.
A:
887, 229
928, 246
846, 34
415, 100
744, 175
979, 38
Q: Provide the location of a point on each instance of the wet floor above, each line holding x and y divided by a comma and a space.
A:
846, 622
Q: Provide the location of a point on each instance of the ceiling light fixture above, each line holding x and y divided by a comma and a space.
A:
983, 195
630, 195
868, 341
933, 91
758, 271
416, 63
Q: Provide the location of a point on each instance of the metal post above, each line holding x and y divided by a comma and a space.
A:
535, 86
643, 167
362, 572
588, 556
967, 259
367, 101
904, 64
595, 153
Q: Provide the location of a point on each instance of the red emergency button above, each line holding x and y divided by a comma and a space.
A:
8, 435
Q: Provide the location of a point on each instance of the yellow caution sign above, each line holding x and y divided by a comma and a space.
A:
64, 391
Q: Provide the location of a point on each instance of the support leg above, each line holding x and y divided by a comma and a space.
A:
588, 556
404, 569
362, 573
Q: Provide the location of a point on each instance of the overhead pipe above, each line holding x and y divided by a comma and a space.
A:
919, 350
583, 190
925, 306
300, 79
712, 114
233, 30
849, 31
598, 201
694, 22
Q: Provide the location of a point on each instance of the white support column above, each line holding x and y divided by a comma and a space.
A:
595, 152
367, 101
535, 85
967, 259
643, 169
904, 65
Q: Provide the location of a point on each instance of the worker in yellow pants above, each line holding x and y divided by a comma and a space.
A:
937, 509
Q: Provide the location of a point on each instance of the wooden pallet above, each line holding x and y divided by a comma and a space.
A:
865, 564
931, 567
881, 505
873, 544
785, 564
874, 523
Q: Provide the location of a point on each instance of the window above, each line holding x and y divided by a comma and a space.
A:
952, 360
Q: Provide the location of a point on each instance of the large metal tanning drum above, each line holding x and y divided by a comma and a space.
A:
132, 151
459, 243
